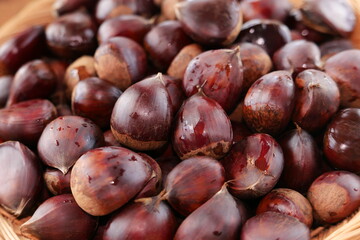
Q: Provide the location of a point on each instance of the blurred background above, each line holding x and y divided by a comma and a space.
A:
9, 8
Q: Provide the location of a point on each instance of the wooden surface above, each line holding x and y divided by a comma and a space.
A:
9, 8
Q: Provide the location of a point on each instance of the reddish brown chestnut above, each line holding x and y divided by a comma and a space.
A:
317, 99
156, 219
104, 179
21, 178
219, 73
120, 61
253, 166
273, 225
33, 80
289, 202
143, 114
343, 68
341, 198
202, 128
219, 218
269, 103
59, 218
94, 99
341, 140
65, 139
25, 121
56, 181
192, 182
164, 42
210, 22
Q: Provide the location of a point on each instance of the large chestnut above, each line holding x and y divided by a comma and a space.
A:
220, 75
157, 221
269, 103
65, 139
334, 195
104, 179
210, 22
142, 116
21, 181
120, 61
341, 140
202, 128
26, 120
253, 166
192, 182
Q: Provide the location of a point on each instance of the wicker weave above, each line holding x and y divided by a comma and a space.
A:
39, 13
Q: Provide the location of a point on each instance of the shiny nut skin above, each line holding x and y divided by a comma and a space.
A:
56, 182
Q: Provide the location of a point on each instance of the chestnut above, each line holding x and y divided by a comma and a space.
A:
332, 47
157, 221
5, 84
317, 99
104, 179
202, 128
59, 218
94, 99
269, 103
62, 7
342, 196
343, 69
120, 61
65, 139
341, 140
130, 26
192, 182
142, 116
72, 35
221, 217
26, 120
253, 166
168, 8
33, 80
110, 139
273, 225
175, 90
56, 182
21, 181
20, 49
220, 75
164, 42
289, 202
210, 22
270, 9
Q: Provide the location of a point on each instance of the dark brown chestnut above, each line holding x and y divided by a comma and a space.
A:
142, 116
317, 99
33, 80
269, 103
202, 128
164, 42
157, 221
210, 22
72, 35
21, 178
219, 73
56, 182
65, 139
5, 84
104, 179
167, 164
344, 70
334, 17
94, 99
289, 202
59, 218
130, 26
219, 218
302, 159
120, 61
20, 49
341, 198
253, 166
192, 182
273, 225
26, 120
341, 140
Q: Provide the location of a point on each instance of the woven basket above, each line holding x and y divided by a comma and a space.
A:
39, 13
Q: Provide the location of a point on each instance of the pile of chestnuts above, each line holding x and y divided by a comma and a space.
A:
181, 119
